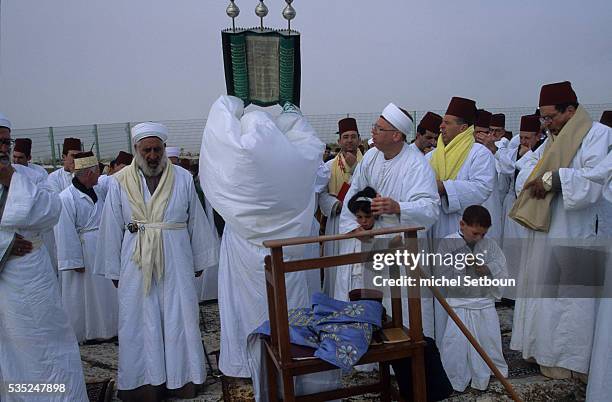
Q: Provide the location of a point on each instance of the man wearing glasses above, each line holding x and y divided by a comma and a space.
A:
38, 345
557, 204
405, 184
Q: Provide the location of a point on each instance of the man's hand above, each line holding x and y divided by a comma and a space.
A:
198, 274
21, 246
536, 188
350, 158
384, 206
523, 150
116, 283
482, 270
6, 174
441, 188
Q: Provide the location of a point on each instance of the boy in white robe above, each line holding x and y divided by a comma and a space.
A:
90, 300
349, 277
474, 306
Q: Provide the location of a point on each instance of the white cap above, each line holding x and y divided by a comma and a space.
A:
148, 129
395, 116
173, 152
5, 122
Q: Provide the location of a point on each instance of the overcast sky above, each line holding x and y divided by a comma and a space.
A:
65, 62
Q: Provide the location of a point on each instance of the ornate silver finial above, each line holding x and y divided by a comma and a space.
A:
232, 11
261, 10
289, 14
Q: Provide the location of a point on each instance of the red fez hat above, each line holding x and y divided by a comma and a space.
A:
83, 155
606, 118
23, 145
530, 123
462, 108
431, 122
483, 118
347, 124
498, 120
71, 144
557, 93
123, 158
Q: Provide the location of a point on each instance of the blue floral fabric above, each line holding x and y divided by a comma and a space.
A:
339, 331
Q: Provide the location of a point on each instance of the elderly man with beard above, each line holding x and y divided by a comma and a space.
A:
154, 237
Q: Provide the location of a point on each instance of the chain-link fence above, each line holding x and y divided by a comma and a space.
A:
106, 140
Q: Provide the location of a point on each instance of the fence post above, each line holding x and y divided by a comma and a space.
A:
97, 141
129, 137
52, 143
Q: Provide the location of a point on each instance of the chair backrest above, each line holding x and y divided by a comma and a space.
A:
276, 268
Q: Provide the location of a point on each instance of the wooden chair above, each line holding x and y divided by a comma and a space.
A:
285, 361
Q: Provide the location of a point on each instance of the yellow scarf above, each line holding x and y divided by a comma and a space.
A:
535, 214
149, 250
447, 160
341, 172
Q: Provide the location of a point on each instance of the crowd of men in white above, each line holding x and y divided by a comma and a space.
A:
87, 256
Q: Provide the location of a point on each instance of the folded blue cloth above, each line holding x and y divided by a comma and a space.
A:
339, 331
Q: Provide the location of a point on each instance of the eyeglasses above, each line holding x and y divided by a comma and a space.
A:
376, 127
547, 119
6, 141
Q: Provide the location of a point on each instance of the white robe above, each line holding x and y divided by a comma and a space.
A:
59, 179
461, 361
37, 344
328, 205
207, 284
416, 194
473, 185
569, 321
89, 299
41, 171
514, 233
159, 333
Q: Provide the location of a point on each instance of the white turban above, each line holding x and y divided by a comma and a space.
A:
5, 122
395, 116
173, 152
148, 129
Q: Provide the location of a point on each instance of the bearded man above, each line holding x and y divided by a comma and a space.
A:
153, 229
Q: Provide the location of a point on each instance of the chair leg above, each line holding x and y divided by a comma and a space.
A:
288, 388
419, 388
385, 381
272, 378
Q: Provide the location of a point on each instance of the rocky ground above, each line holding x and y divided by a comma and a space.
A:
100, 364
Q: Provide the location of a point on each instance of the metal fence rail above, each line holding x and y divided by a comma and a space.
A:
106, 140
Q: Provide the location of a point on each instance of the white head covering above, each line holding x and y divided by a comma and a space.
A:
395, 116
5, 122
148, 129
173, 152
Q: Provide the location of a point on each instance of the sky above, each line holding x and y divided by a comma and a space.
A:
69, 62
